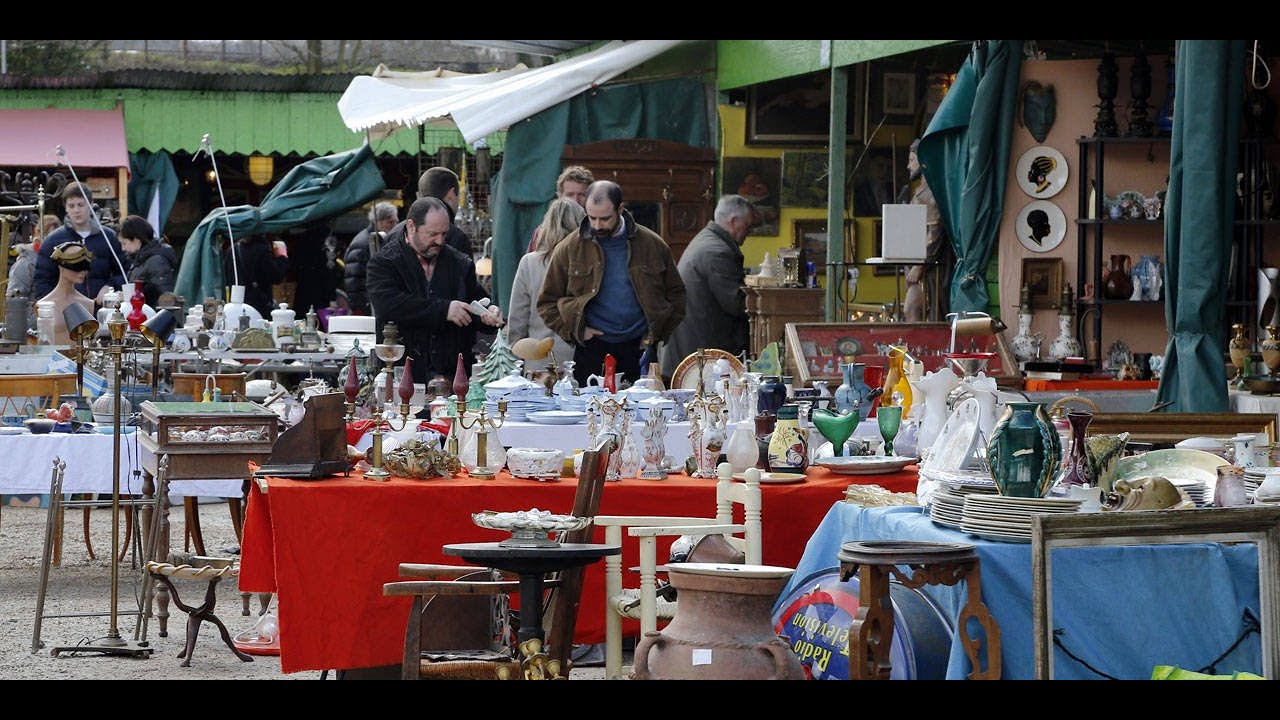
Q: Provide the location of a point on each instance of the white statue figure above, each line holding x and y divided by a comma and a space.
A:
654, 433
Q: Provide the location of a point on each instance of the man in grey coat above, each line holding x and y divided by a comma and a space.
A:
712, 271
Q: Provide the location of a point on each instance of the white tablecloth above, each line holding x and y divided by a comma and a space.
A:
27, 466
1246, 402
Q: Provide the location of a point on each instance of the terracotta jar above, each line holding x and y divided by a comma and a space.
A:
722, 630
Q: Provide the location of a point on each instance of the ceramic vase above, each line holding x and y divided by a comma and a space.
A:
1118, 286
1271, 349
1026, 344
726, 609
935, 387
1065, 345
1149, 272
1239, 350
742, 451
1023, 451
632, 458
771, 394
852, 395
1078, 471
654, 434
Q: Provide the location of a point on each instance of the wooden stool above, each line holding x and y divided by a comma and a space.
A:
201, 568
931, 563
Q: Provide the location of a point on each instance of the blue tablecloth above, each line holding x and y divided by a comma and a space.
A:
1120, 610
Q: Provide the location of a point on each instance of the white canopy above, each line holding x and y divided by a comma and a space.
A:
481, 104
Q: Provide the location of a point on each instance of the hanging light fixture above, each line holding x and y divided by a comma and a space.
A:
261, 169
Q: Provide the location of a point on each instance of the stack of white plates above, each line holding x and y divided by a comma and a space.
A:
947, 508
1008, 519
519, 409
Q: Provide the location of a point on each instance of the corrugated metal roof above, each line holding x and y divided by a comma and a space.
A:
236, 121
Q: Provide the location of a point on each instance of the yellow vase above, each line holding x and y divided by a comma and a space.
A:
897, 391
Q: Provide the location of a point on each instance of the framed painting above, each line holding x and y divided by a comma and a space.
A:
758, 180
810, 236
817, 349
1043, 277
895, 98
797, 110
876, 178
804, 179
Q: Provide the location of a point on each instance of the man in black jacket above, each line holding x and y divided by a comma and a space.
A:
442, 184
426, 288
363, 246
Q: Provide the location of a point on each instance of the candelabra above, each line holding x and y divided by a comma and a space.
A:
389, 352
482, 424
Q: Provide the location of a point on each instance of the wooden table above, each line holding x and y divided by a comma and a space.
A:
532, 564
327, 546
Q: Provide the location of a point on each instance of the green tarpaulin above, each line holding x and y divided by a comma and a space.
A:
1199, 213
965, 159
314, 190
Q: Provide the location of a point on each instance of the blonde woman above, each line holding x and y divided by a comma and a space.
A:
563, 217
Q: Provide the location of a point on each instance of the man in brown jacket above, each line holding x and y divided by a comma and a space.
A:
611, 288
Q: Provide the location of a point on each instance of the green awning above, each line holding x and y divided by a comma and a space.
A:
238, 122
747, 62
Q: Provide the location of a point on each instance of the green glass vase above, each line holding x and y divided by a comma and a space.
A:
1024, 451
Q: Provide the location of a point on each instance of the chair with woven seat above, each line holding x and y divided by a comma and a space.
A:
232, 387
463, 608
643, 602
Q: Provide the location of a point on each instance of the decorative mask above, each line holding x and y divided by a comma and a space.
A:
1039, 109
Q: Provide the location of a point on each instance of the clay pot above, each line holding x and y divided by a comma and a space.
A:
722, 629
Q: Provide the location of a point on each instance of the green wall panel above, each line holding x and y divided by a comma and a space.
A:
748, 62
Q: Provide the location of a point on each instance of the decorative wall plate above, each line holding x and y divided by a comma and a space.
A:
1041, 172
686, 373
1040, 226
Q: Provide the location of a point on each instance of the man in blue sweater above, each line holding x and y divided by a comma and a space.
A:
107, 271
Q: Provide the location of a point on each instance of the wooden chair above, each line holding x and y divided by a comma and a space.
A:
465, 606
642, 602
233, 387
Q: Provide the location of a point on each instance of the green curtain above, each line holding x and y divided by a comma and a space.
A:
314, 190
675, 110
148, 173
965, 158
1199, 213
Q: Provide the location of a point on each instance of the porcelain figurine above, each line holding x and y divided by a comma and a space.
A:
654, 433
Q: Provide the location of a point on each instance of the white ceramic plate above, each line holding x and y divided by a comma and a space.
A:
6, 430
866, 464
686, 373
557, 417
1176, 464
1040, 226
776, 478
1042, 172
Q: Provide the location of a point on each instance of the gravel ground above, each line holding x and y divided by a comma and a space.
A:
83, 585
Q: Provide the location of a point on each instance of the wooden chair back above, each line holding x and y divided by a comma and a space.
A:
42, 389
563, 614
193, 384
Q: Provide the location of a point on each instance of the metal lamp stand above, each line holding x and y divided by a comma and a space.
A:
112, 643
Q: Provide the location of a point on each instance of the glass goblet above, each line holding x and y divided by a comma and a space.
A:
889, 419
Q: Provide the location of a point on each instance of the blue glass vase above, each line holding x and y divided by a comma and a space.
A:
854, 391
1024, 451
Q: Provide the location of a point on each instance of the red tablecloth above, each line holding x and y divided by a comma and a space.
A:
327, 546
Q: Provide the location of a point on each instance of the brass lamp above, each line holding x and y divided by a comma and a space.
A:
157, 331
81, 326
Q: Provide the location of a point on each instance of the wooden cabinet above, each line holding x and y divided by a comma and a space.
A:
668, 187
771, 308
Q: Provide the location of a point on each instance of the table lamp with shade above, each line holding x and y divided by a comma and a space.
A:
81, 326
157, 330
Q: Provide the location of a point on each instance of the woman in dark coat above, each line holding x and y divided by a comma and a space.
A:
154, 262
261, 265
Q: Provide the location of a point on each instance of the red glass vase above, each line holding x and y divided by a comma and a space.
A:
352, 385
136, 316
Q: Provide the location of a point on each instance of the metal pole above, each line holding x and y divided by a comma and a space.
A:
837, 137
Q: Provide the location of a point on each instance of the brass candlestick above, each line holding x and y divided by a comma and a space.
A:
389, 352
482, 424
